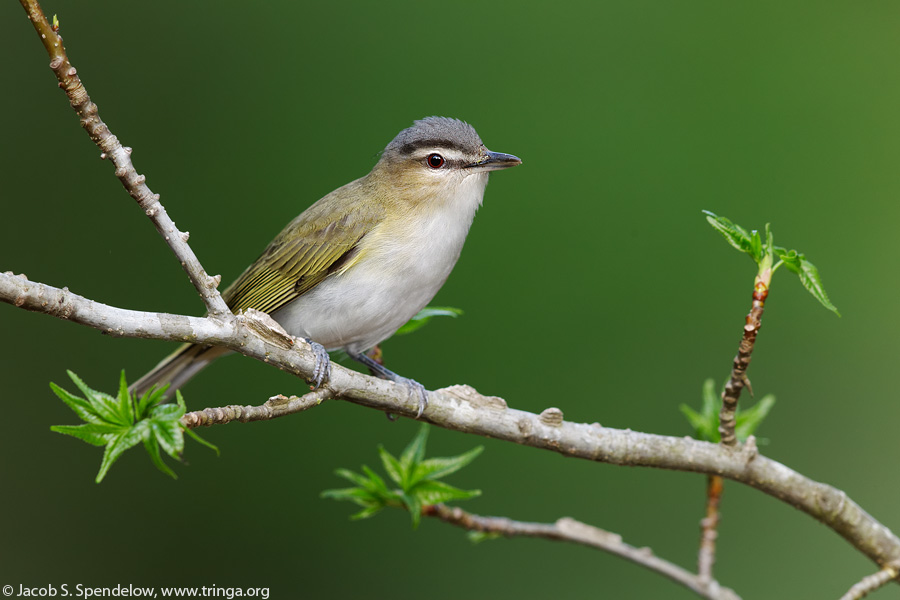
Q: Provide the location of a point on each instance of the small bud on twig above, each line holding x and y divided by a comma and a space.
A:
552, 416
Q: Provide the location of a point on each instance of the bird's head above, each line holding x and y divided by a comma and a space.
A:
439, 158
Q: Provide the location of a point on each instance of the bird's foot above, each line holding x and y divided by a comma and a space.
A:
322, 369
413, 387
417, 390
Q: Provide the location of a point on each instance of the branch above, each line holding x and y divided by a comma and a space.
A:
120, 156
276, 406
871, 583
576, 532
461, 408
706, 557
738, 379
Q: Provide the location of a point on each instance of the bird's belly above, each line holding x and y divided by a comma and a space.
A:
363, 306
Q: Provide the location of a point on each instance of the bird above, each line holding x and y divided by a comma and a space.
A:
363, 260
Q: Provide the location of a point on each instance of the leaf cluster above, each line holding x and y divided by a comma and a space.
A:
123, 421
417, 478
706, 422
763, 253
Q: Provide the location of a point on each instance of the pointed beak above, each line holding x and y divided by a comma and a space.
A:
493, 161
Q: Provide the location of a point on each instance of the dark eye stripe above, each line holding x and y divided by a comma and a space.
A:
411, 147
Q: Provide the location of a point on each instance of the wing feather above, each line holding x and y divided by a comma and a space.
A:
321, 241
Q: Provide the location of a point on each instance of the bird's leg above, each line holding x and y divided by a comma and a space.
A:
376, 354
383, 372
322, 370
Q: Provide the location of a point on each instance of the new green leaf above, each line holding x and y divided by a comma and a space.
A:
425, 315
416, 475
706, 422
809, 276
122, 422
765, 252
734, 234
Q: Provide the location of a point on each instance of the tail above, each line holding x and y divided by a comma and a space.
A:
177, 368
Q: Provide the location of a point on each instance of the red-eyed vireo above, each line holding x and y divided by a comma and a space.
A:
359, 263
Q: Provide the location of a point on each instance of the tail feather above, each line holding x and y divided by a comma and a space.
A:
177, 368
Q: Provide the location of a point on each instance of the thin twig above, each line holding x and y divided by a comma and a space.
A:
120, 156
706, 557
462, 408
738, 379
276, 406
576, 532
870, 583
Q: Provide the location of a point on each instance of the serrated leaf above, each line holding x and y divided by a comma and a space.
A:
734, 234
166, 412
124, 398
96, 434
695, 420
152, 447
414, 506
425, 315
112, 410
114, 450
151, 397
412, 455
808, 274
748, 420
79, 406
433, 468
169, 435
352, 477
88, 392
755, 252
435, 492
202, 441
120, 422
809, 277
365, 513
705, 423
371, 486
375, 482
418, 486
356, 495
103, 405
391, 465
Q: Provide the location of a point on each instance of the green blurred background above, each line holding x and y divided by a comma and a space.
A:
590, 280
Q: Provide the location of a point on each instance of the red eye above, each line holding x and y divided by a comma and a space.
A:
435, 161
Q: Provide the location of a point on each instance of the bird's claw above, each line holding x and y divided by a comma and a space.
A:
322, 369
417, 389
414, 388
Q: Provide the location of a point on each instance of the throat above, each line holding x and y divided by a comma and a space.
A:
444, 221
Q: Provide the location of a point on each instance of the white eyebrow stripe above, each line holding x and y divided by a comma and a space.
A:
450, 154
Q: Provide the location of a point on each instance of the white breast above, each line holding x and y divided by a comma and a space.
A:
396, 276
